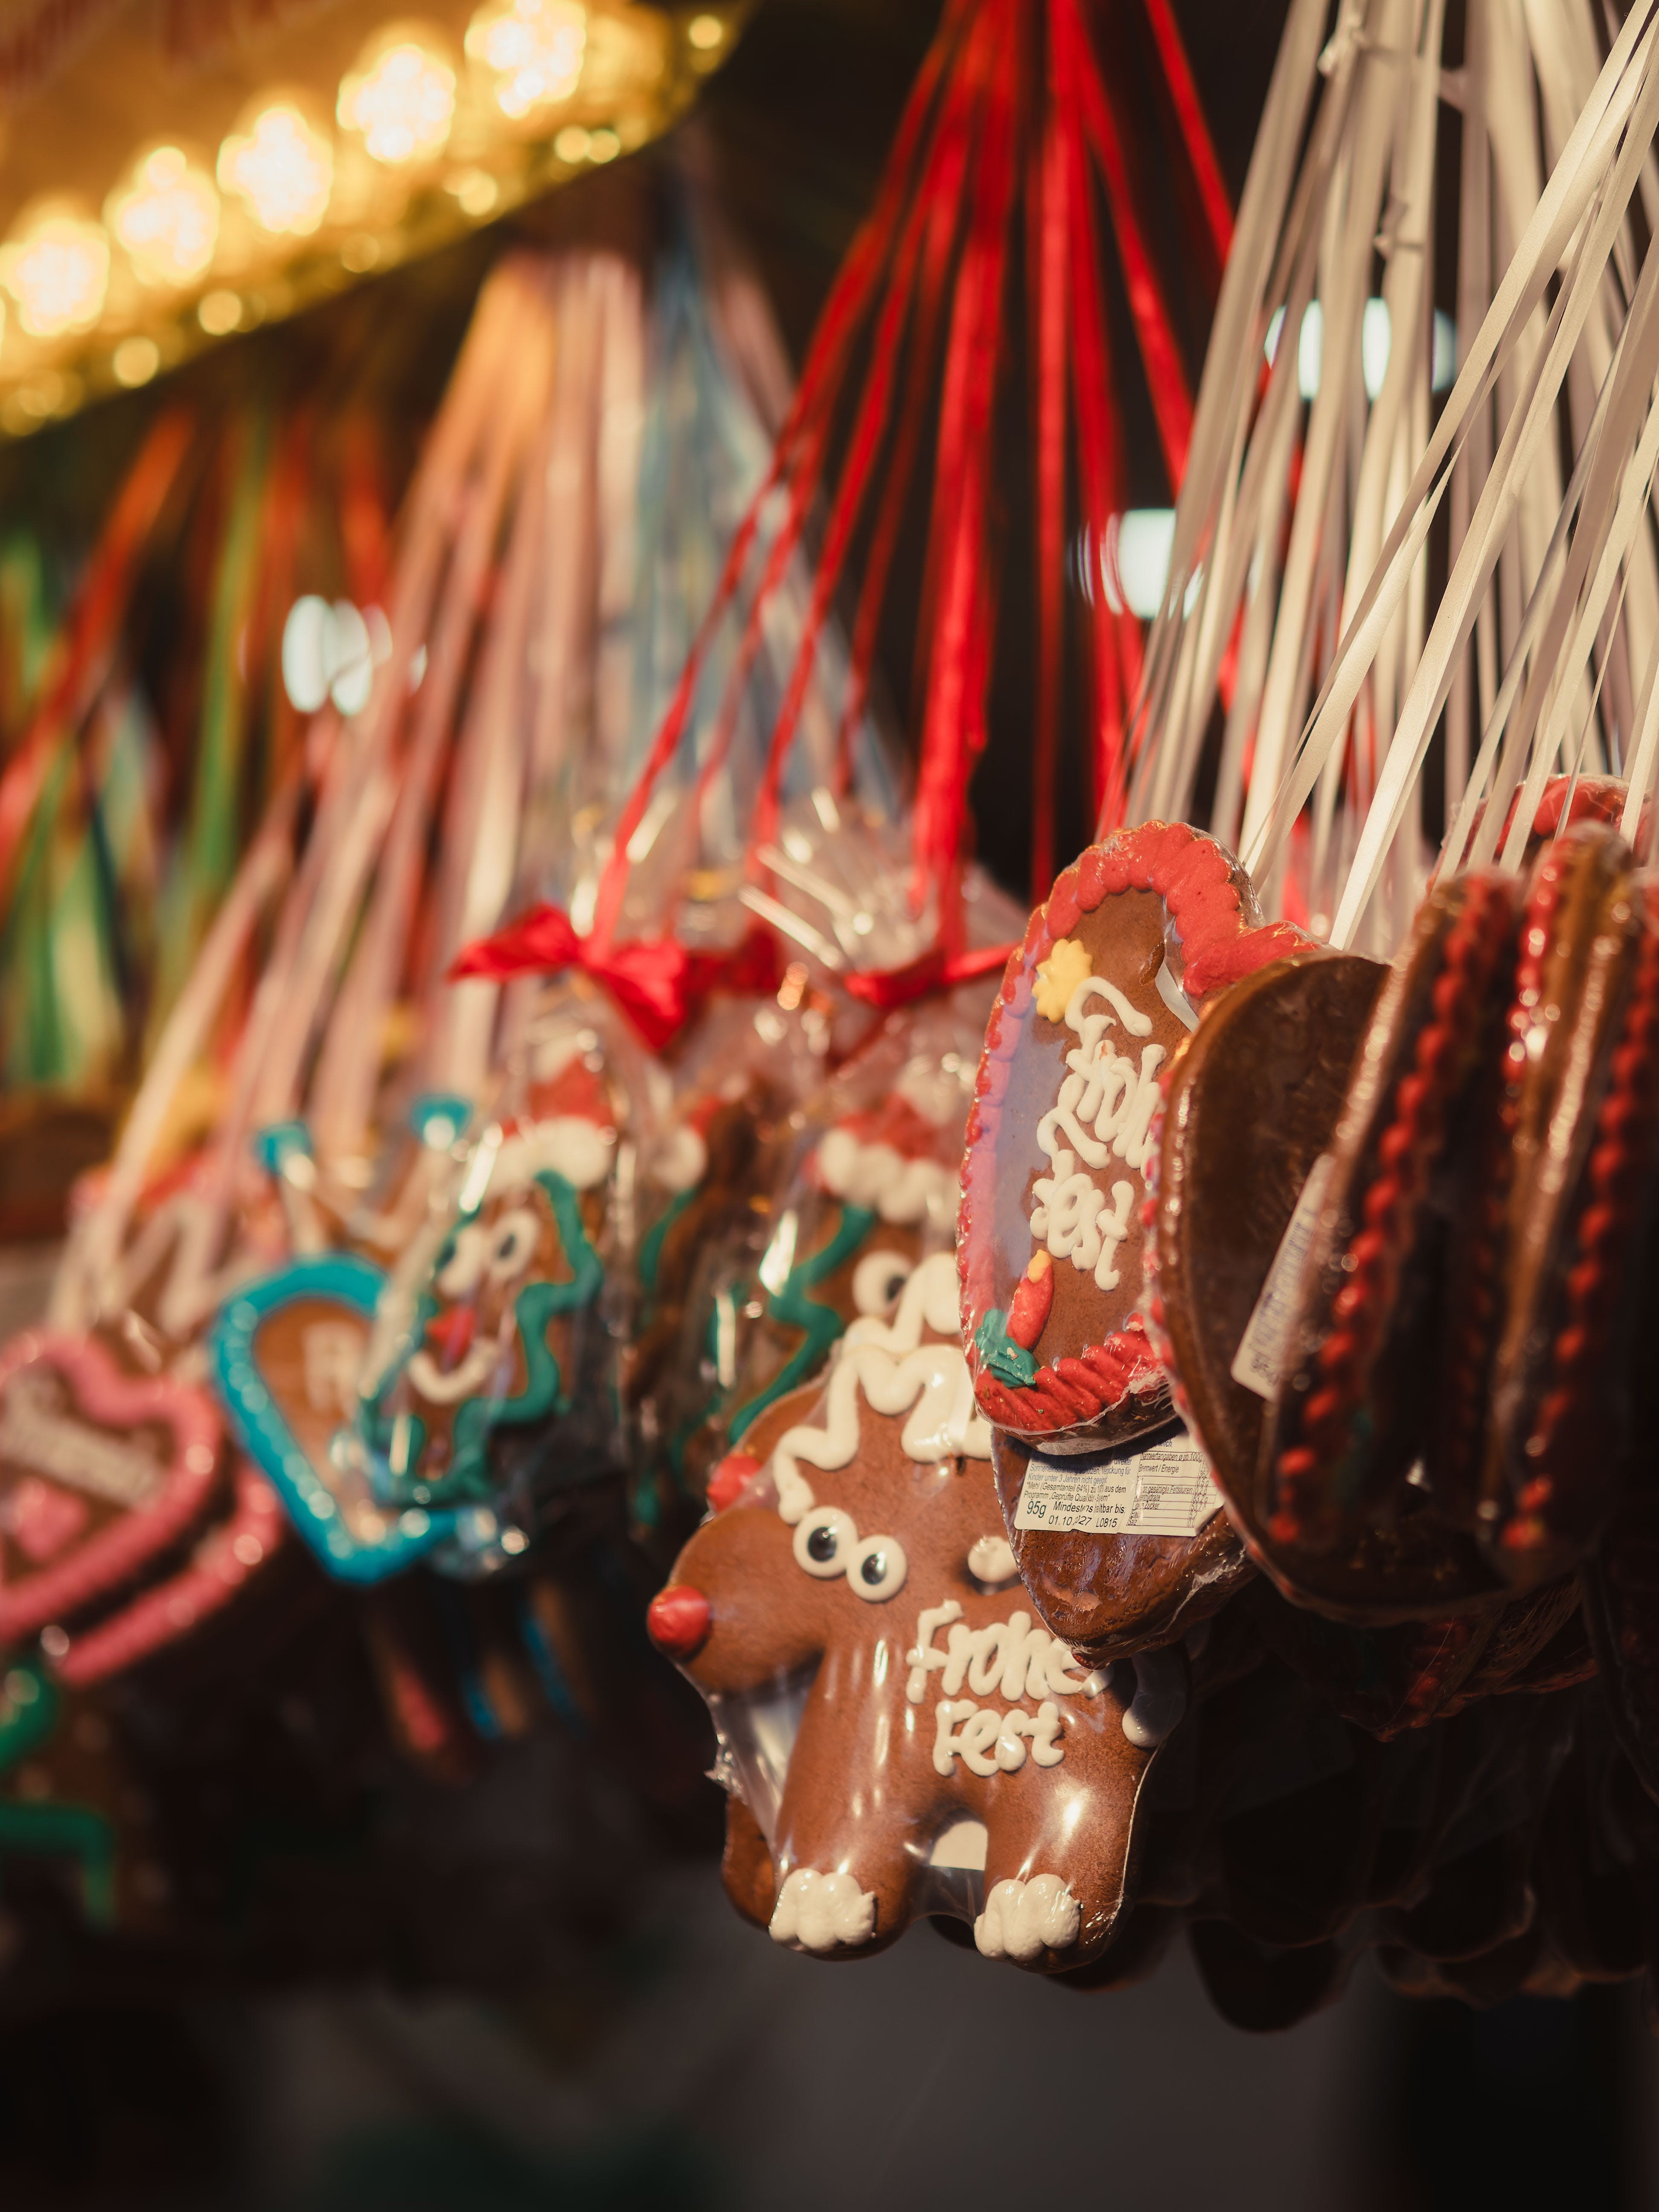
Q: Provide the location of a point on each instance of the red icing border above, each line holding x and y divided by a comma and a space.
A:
121, 1547
223, 1562
1406, 1150
1620, 1152
1200, 886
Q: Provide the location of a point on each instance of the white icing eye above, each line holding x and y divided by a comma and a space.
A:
513, 1245
878, 1279
458, 1276
877, 1568
825, 1540
991, 1560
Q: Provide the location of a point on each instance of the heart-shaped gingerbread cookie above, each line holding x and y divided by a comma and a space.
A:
101, 1472
287, 1351
1139, 932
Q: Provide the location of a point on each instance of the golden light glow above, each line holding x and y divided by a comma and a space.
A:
282, 166
705, 31
400, 100
56, 267
219, 312
136, 360
474, 191
165, 214
532, 49
571, 144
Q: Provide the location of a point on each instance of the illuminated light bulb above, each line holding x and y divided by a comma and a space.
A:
219, 312
603, 146
136, 360
55, 268
474, 191
400, 100
572, 143
705, 32
282, 166
166, 215
533, 48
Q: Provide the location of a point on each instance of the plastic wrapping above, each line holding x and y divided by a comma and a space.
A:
902, 1736
490, 1385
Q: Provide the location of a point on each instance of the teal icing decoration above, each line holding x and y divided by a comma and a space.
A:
651, 1248
467, 1478
821, 1324
438, 1117
65, 1831
262, 1428
28, 1710
278, 1142
1009, 1362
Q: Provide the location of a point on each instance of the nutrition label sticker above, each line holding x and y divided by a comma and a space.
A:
1164, 1491
1259, 1363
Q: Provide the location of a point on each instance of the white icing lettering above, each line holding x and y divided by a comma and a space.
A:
922, 1658
1104, 1110
1023, 1661
988, 1742
1070, 1218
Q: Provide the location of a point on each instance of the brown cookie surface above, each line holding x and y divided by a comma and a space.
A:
1347, 1492
1106, 1593
904, 1729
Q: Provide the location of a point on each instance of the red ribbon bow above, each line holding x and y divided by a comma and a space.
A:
657, 985
935, 971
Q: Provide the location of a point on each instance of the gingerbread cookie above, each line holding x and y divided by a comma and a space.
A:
1144, 929
102, 1474
486, 1346
1345, 1448
905, 1736
875, 1188
1119, 1552
1241, 1177
1576, 1139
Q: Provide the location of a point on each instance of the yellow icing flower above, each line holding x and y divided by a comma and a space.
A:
1058, 975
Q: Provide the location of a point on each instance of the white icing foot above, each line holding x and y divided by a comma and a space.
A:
819, 1910
1021, 1918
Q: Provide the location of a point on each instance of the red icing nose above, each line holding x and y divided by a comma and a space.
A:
451, 1333
736, 1469
678, 1618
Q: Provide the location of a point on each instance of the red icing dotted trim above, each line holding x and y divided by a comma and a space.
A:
124, 1546
1621, 1153
1201, 891
1406, 1151
1471, 1336
223, 1562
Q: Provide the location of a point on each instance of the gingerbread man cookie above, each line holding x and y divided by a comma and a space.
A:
906, 1737
484, 1347
1141, 932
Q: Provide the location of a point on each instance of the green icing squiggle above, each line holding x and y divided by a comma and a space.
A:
821, 1324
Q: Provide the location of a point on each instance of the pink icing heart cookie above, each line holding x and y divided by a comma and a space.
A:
1134, 938
100, 1473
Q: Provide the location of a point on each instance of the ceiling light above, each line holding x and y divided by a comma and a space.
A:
532, 49
400, 98
282, 166
56, 267
166, 215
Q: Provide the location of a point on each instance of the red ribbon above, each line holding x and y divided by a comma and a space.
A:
934, 972
658, 984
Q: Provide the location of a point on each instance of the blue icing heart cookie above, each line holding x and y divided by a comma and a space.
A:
285, 1354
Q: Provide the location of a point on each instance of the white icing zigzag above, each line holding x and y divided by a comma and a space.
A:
880, 1177
897, 1373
